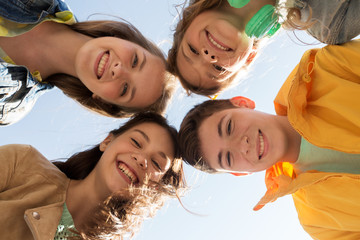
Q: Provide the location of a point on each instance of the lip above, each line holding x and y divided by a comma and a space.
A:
97, 62
216, 48
266, 145
123, 175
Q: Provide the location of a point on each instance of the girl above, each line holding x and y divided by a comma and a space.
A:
122, 180
104, 65
216, 39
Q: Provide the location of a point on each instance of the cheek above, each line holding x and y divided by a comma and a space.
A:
108, 91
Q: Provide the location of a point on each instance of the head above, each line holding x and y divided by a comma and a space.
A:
209, 47
137, 165
230, 136
120, 72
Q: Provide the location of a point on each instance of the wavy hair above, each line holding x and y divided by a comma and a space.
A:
75, 89
194, 8
119, 217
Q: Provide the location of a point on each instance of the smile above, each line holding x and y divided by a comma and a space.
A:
102, 64
261, 144
127, 172
217, 44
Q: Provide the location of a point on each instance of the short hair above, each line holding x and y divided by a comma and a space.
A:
75, 89
194, 8
189, 141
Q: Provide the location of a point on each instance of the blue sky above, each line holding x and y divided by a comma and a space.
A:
57, 127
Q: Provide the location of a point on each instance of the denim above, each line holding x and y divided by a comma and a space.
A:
19, 90
30, 11
336, 21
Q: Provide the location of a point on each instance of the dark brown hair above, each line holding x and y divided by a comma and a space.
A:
75, 89
189, 141
119, 216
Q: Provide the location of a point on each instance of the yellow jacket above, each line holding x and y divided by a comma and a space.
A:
321, 99
32, 194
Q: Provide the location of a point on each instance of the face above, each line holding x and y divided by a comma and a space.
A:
213, 48
242, 140
143, 152
120, 72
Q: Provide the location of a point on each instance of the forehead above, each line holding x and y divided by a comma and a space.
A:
153, 77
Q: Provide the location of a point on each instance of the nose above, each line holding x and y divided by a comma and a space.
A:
243, 145
119, 70
141, 160
209, 57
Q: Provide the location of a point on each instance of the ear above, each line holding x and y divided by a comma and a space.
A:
105, 142
251, 56
240, 174
241, 101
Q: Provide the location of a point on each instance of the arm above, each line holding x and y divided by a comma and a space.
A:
336, 22
329, 209
10, 157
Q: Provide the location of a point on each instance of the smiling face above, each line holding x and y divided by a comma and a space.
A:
212, 49
242, 140
144, 151
120, 72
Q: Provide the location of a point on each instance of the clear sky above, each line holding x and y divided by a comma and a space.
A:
57, 127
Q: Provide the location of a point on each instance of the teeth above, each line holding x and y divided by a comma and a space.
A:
127, 172
216, 44
261, 150
102, 63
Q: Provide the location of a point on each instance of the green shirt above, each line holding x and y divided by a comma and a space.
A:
66, 223
312, 157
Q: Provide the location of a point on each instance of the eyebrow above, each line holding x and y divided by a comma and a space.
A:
143, 134
219, 126
186, 57
220, 134
133, 91
143, 62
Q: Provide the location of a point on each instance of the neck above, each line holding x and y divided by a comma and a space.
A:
79, 192
49, 48
293, 140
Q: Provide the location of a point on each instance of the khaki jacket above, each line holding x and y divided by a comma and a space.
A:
32, 194
321, 99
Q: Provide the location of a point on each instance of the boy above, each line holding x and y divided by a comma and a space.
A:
310, 149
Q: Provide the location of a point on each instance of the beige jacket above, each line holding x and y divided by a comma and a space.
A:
32, 194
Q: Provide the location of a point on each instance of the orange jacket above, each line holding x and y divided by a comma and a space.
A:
321, 98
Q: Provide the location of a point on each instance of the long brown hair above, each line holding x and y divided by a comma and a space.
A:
74, 88
117, 216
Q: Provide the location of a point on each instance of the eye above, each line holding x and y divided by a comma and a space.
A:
193, 50
229, 127
156, 164
124, 90
136, 143
219, 68
135, 61
228, 159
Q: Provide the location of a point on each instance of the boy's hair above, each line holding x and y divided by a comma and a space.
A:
189, 141
119, 216
75, 89
194, 8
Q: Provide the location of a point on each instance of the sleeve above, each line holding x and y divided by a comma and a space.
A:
330, 208
10, 157
341, 60
335, 21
